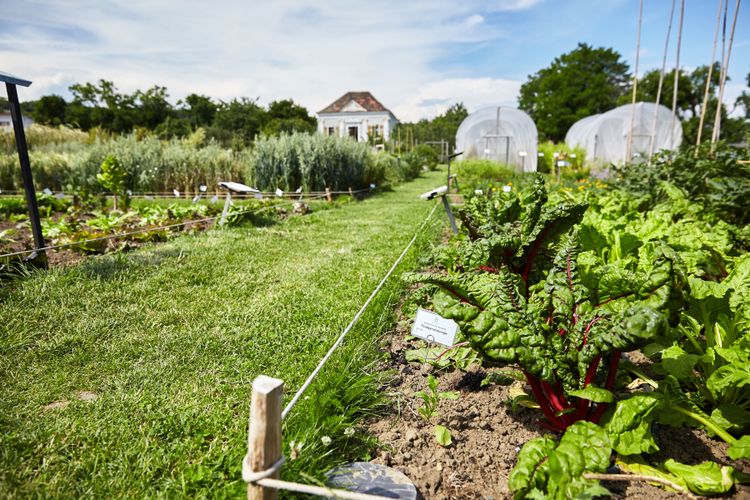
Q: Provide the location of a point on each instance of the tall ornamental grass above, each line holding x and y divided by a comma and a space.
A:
310, 161
152, 165
38, 136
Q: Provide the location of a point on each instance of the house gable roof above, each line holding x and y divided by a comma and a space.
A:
355, 102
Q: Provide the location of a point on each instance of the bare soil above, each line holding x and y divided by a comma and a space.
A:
488, 434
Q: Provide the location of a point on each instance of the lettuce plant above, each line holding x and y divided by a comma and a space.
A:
567, 331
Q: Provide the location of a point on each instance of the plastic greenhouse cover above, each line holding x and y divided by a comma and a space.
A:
503, 134
605, 136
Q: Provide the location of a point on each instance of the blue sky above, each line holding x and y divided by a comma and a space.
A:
415, 56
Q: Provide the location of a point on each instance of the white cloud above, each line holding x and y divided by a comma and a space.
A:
435, 97
310, 51
473, 20
513, 5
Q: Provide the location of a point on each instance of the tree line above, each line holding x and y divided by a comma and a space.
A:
589, 80
235, 122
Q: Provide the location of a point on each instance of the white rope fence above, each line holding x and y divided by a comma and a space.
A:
262, 464
338, 342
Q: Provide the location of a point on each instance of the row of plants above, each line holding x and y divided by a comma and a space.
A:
289, 161
40, 136
563, 284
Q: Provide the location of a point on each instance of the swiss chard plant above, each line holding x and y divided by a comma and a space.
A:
567, 331
517, 233
572, 468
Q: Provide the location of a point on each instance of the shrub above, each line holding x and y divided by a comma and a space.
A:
546, 163
476, 171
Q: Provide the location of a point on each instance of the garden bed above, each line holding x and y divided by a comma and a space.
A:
488, 433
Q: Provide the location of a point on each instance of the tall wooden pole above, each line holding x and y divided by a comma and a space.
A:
264, 435
28, 182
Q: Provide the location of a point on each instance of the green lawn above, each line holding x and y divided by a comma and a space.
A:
169, 339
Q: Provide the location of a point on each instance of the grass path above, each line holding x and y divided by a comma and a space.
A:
168, 339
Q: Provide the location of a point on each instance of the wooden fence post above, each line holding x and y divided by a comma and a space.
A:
351, 193
264, 435
328, 195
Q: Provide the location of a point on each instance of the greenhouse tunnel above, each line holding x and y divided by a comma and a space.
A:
605, 136
499, 133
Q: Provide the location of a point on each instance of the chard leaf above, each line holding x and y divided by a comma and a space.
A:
728, 378
707, 478
595, 394
731, 417
678, 363
636, 465
532, 469
556, 472
740, 448
629, 425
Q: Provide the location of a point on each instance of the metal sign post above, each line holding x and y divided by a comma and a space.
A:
450, 157
442, 191
39, 257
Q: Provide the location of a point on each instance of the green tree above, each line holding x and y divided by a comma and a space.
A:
577, 84
690, 91
201, 110
152, 107
50, 110
744, 99
285, 117
103, 106
112, 177
441, 128
240, 118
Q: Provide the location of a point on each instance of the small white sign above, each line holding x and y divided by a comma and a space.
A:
434, 328
507, 189
202, 188
47, 191
279, 192
176, 193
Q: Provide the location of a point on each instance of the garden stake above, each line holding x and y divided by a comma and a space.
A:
264, 435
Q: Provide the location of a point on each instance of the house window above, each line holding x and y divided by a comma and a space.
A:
375, 131
330, 130
354, 132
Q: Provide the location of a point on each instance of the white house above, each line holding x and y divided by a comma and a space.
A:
357, 115
7, 124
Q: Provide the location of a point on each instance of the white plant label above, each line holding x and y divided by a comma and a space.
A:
434, 328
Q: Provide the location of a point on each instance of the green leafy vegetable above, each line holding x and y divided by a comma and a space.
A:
443, 436
547, 470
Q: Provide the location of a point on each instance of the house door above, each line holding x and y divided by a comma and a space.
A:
354, 133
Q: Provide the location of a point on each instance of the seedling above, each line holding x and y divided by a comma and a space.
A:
443, 436
431, 398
